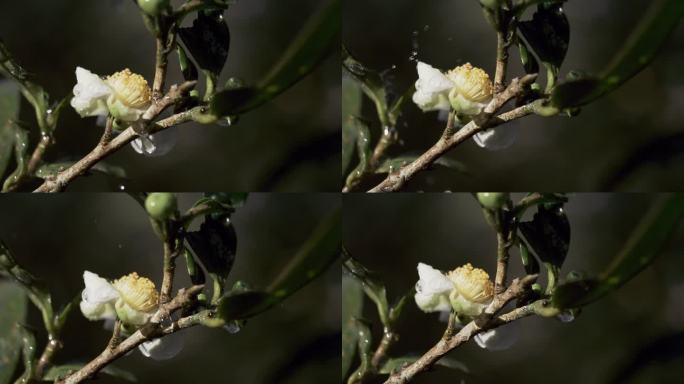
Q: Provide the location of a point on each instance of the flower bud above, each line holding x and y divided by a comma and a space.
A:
161, 205
153, 7
492, 200
138, 299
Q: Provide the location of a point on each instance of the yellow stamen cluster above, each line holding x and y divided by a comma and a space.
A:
472, 82
138, 292
472, 283
130, 88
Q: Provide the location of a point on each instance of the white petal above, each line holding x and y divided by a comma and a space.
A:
433, 281
496, 139
498, 339
163, 348
432, 89
97, 290
431, 79
90, 94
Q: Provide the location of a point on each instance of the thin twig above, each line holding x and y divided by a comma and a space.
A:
53, 345
449, 340
161, 63
102, 150
184, 298
397, 180
380, 354
171, 251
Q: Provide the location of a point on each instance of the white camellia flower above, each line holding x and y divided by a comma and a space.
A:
133, 300
466, 90
498, 339
124, 95
432, 290
474, 290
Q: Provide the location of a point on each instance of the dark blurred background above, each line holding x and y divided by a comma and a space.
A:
391, 234
109, 234
291, 143
578, 154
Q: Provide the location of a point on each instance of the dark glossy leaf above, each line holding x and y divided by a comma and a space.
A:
13, 313
645, 243
21, 145
352, 307
548, 234
372, 286
528, 60
313, 43
351, 108
398, 307
397, 363
637, 53
215, 245
548, 33
208, 40
59, 371
9, 110
28, 353
395, 164
371, 84
314, 256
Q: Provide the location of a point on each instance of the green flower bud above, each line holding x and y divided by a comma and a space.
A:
153, 7
492, 200
161, 205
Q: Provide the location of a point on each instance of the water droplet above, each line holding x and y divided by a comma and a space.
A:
157, 144
233, 327
566, 316
121, 187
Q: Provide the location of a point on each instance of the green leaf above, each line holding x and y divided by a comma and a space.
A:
395, 164
187, 67
396, 363
28, 352
314, 256
208, 41
646, 242
395, 109
398, 307
36, 289
60, 371
548, 33
364, 342
307, 50
13, 313
351, 107
358, 129
548, 234
215, 245
372, 286
21, 144
352, 307
52, 169
371, 84
9, 110
528, 60
637, 52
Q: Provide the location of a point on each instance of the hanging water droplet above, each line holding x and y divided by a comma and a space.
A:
157, 144
426, 27
566, 316
233, 327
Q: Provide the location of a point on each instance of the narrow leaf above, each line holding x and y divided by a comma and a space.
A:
313, 258
215, 245
59, 371
647, 241
13, 313
372, 286
308, 49
208, 41
548, 234
352, 307
371, 84
637, 53
9, 110
548, 33
351, 107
